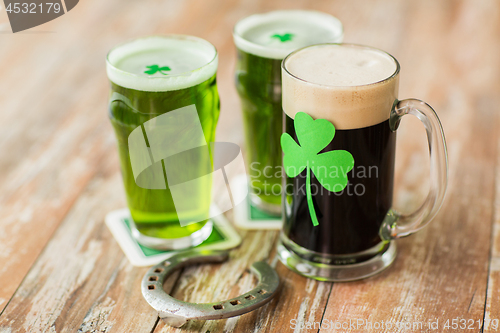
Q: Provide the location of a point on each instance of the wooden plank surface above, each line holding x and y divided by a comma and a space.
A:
62, 271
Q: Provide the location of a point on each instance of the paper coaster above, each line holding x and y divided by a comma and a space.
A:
248, 217
223, 237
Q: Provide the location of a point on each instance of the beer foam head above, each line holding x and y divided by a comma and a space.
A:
275, 34
350, 85
162, 63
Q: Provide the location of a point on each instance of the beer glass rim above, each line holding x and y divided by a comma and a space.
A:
273, 52
212, 62
358, 46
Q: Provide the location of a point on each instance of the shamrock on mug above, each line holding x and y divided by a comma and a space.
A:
314, 136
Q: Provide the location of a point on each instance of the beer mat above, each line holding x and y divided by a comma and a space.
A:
223, 237
249, 217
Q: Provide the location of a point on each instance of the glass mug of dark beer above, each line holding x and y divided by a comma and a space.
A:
341, 115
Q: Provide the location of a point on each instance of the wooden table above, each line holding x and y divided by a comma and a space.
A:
62, 271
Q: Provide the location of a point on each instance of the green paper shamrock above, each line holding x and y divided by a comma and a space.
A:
283, 38
314, 136
153, 69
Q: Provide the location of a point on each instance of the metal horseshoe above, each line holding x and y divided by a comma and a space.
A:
176, 312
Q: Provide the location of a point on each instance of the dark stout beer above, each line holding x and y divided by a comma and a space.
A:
354, 88
342, 113
349, 220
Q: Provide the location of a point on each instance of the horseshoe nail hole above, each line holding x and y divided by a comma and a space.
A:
153, 278
158, 270
235, 302
166, 263
151, 287
218, 307
262, 291
250, 297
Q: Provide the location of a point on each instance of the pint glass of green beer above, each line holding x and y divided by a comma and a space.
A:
262, 41
164, 108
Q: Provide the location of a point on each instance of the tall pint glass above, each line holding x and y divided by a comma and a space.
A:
164, 108
262, 41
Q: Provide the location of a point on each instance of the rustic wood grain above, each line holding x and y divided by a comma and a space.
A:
79, 279
52, 143
60, 268
297, 295
488, 86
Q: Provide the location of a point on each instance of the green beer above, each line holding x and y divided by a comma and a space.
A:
151, 79
262, 41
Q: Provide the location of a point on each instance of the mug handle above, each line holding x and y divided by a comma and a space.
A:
396, 225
